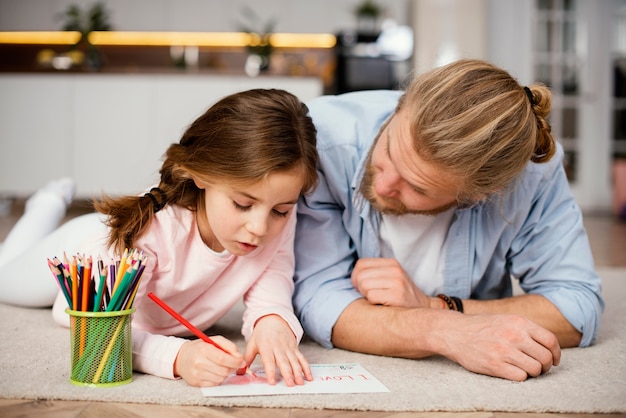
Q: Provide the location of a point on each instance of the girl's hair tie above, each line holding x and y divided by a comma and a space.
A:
157, 205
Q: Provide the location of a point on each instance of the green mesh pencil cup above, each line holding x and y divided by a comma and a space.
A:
101, 348
100, 310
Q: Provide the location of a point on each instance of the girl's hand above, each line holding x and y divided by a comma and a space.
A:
201, 364
274, 341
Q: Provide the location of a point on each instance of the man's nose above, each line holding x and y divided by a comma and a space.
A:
387, 183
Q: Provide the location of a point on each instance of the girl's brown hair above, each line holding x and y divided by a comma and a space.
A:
239, 140
474, 121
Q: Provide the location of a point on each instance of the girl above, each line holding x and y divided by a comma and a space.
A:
219, 226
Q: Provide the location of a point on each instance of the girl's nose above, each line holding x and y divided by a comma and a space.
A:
258, 225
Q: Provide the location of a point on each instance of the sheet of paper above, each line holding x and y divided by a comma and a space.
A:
327, 378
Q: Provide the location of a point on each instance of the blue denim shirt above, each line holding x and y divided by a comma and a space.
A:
533, 232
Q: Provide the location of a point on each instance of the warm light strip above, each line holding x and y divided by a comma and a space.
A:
47, 38
215, 39
170, 38
303, 40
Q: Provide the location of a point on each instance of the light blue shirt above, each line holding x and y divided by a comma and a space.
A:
534, 231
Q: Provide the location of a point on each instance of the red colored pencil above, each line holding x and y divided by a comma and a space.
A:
192, 328
186, 323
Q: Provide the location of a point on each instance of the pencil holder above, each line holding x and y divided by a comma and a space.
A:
101, 348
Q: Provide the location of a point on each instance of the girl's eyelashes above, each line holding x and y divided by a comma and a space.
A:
274, 211
241, 207
281, 214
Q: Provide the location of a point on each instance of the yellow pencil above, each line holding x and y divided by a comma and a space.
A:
120, 270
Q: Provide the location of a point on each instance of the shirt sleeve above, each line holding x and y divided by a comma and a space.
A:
551, 255
325, 255
155, 354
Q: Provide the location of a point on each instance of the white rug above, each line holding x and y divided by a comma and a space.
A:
34, 364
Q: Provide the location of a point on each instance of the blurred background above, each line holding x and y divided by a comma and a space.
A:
97, 90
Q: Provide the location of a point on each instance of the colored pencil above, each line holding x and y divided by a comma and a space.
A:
99, 298
192, 328
72, 269
104, 293
186, 323
90, 284
66, 276
121, 269
84, 283
60, 279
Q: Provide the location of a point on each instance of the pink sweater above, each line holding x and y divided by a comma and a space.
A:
200, 284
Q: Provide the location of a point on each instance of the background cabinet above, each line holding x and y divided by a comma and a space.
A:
107, 131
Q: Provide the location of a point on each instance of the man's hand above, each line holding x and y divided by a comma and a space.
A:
501, 345
382, 281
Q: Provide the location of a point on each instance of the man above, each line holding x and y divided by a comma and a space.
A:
430, 204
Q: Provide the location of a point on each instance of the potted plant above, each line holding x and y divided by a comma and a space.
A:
94, 18
367, 13
260, 45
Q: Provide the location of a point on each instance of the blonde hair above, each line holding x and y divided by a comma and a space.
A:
239, 140
476, 122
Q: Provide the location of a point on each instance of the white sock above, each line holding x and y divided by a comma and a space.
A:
64, 188
43, 212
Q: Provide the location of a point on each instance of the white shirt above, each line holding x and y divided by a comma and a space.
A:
417, 242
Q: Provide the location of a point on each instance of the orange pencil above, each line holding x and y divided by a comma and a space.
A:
88, 268
72, 268
87, 294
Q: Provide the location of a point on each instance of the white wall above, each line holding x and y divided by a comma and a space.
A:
308, 16
499, 31
510, 37
593, 190
446, 30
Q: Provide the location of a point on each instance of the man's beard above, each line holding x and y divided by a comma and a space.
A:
390, 206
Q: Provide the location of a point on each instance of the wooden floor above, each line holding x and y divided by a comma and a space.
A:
78, 409
607, 235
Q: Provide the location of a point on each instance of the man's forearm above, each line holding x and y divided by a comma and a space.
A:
382, 330
534, 307
409, 333
503, 345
